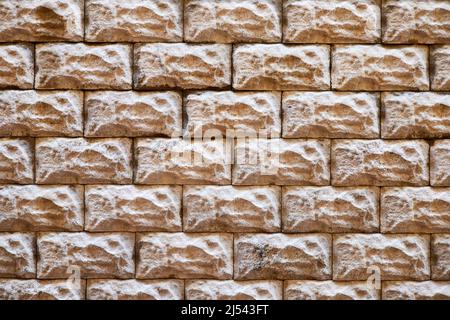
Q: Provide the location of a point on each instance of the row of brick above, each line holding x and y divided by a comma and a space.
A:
221, 66
291, 21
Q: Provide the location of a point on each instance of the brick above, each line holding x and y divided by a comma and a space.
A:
410, 115
330, 115
282, 162
231, 209
379, 162
101, 255
41, 20
330, 209
83, 161
133, 114
183, 255
183, 66
17, 255
398, 257
232, 21
16, 161
252, 112
41, 208
415, 210
416, 21
16, 66
14, 289
133, 208
413, 290
135, 289
335, 21
233, 290
440, 68
329, 290
181, 161
440, 163
134, 21
379, 68
282, 256
440, 256
83, 66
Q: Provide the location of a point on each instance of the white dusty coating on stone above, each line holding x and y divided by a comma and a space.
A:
134, 21
135, 289
330, 115
330, 209
16, 66
99, 255
133, 208
233, 290
416, 21
41, 20
282, 162
440, 257
181, 161
232, 21
282, 256
331, 21
440, 68
379, 68
440, 163
329, 290
83, 66
181, 65
17, 255
133, 114
83, 161
413, 290
409, 115
185, 256
14, 289
415, 210
231, 209
398, 257
379, 162
281, 67
16, 161
41, 113
253, 112
41, 208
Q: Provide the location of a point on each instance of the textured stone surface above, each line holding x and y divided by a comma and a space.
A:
41, 20
329, 290
16, 161
183, 255
82, 66
17, 255
13, 289
180, 161
440, 163
329, 209
133, 114
41, 208
103, 255
398, 257
413, 290
135, 289
232, 21
233, 290
133, 208
440, 68
415, 210
440, 256
281, 67
282, 162
231, 209
379, 162
253, 112
134, 21
415, 115
281, 256
335, 21
330, 115
180, 65
84, 161
416, 21
16, 66
377, 68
